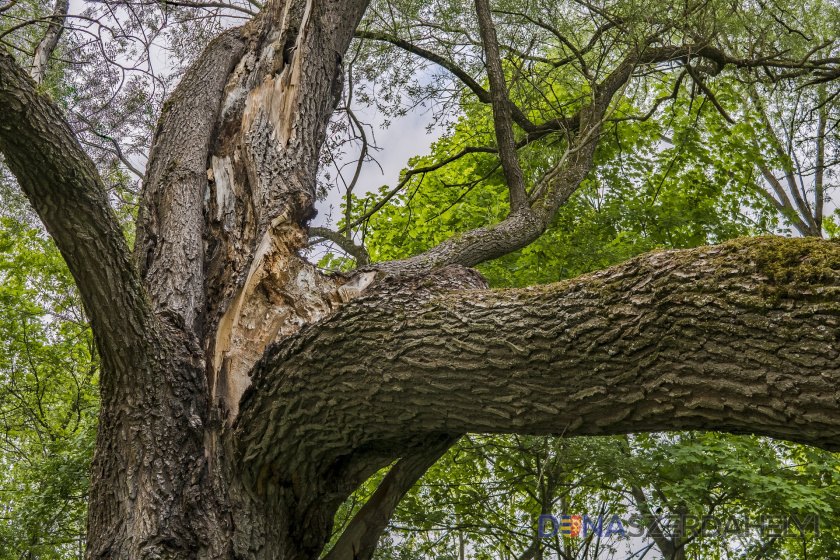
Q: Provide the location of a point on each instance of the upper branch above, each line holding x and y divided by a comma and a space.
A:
743, 337
552, 190
527, 223
170, 223
501, 115
819, 176
345, 243
482, 94
804, 212
62, 183
49, 42
224, 5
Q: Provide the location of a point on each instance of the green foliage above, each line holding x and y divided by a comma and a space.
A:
642, 194
487, 492
48, 399
741, 476
682, 179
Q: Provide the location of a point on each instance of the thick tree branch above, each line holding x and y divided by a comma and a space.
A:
741, 337
170, 224
500, 102
66, 191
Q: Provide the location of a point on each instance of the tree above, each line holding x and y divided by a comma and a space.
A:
245, 395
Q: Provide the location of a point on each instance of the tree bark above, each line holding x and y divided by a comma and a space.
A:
741, 337
145, 495
169, 246
49, 42
502, 121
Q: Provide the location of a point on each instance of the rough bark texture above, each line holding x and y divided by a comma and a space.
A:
54, 172
145, 483
502, 120
741, 337
169, 247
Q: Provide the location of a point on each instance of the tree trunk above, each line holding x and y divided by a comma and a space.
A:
245, 395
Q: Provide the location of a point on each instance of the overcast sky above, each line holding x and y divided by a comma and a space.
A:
405, 138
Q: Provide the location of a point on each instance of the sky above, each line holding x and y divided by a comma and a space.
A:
404, 138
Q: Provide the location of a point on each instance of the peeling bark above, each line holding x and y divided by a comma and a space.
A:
264, 159
282, 292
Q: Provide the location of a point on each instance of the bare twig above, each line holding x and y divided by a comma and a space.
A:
208, 5
482, 94
411, 173
117, 151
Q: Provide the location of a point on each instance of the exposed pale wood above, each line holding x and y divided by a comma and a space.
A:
49, 42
